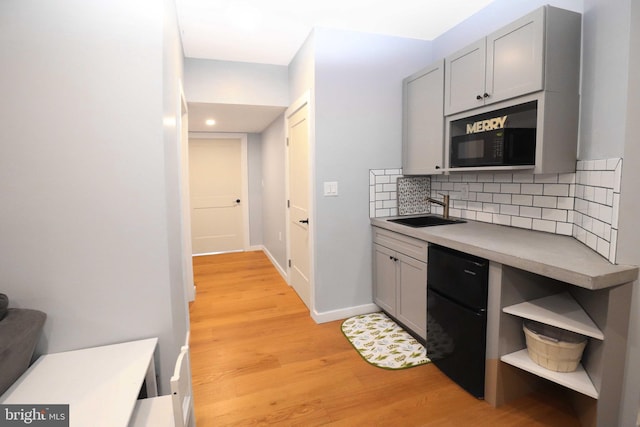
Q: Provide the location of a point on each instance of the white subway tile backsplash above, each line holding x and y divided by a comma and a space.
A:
531, 188
492, 188
485, 197
510, 210
567, 178
556, 190
485, 177
613, 245
474, 206
564, 228
518, 221
484, 216
490, 207
546, 179
565, 203
503, 177
584, 204
600, 164
502, 198
522, 199
545, 201
510, 188
554, 215
544, 225
476, 187
501, 219
530, 212
523, 178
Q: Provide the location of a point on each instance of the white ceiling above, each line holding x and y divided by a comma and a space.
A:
272, 31
231, 117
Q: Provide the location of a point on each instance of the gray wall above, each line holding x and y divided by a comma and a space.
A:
491, 18
302, 70
254, 160
358, 119
605, 76
89, 229
273, 192
628, 251
226, 82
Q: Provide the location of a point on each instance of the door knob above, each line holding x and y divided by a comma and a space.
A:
304, 221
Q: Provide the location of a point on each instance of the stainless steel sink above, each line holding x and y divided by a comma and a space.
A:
426, 221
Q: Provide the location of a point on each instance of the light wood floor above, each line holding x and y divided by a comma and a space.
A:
259, 359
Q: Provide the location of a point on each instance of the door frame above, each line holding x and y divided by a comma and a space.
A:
305, 99
187, 248
244, 171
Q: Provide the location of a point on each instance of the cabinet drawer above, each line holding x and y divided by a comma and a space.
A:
414, 248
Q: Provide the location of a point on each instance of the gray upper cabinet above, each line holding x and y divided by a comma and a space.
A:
465, 81
534, 53
515, 60
423, 121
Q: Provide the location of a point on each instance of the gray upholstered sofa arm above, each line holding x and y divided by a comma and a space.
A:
19, 333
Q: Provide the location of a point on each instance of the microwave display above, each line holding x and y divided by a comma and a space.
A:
505, 137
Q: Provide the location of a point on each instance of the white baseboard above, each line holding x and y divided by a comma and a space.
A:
343, 313
282, 272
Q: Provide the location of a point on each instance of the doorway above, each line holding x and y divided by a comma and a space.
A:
218, 193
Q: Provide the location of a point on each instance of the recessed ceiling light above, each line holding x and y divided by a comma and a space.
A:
210, 122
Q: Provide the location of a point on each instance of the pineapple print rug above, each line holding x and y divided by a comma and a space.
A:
381, 342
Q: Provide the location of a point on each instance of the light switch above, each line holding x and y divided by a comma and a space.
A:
331, 189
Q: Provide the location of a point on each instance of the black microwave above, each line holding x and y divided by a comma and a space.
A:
499, 147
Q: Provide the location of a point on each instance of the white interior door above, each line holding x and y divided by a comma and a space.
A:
299, 239
216, 189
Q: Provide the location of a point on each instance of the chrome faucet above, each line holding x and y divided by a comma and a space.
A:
444, 203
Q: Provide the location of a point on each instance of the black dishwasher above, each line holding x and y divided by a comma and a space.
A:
457, 286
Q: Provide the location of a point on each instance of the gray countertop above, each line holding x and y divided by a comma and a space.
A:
559, 257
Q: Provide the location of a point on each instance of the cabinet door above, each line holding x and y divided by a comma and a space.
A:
423, 121
465, 78
515, 58
384, 278
412, 295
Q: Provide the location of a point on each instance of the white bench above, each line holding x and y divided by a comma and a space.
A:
171, 410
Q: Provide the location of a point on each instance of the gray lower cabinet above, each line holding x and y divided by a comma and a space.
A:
400, 280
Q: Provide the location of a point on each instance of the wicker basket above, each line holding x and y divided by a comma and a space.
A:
553, 348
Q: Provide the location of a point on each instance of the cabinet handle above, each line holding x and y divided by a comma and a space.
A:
437, 167
486, 95
479, 98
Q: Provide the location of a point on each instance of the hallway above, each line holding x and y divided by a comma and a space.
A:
259, 359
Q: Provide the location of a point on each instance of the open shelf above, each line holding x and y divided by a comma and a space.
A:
559, 310
577, 380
